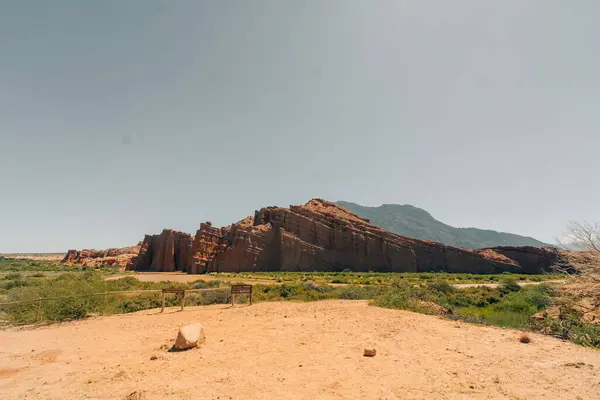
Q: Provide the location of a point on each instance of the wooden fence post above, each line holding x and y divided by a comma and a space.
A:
162, 307
182, 300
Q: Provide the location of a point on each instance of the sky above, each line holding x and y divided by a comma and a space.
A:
121, 118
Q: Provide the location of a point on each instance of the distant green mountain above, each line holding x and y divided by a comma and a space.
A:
413, 222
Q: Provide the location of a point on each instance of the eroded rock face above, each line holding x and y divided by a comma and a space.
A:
179, 251
322, 236
529, 258
167, 252
122, 256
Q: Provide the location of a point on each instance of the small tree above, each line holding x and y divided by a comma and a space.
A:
582, 235
581, 294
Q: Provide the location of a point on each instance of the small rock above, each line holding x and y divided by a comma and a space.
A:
575, 364
189, 336
524, 339
136, 396
153, 357
370, 352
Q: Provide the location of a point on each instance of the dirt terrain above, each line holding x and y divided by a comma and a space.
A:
291, 351
36, 256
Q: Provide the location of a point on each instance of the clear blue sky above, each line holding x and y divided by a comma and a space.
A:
120, 118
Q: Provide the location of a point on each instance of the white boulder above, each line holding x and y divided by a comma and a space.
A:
189, 336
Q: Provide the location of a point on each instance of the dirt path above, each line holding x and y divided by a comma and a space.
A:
495, 285
291, 351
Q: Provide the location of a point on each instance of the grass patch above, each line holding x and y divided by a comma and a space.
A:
36, 267
379, 278
71, 296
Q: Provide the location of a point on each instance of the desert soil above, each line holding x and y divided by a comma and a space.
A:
36, 256
291, 351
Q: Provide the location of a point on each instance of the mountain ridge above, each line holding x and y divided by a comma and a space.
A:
408, 220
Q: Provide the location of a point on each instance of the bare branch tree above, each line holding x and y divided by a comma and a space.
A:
583, 235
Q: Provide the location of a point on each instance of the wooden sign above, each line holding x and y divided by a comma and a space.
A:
240, 289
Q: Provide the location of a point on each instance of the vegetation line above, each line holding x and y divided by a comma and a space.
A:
97, 294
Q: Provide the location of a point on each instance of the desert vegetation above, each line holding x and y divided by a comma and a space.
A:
39, 263
382, 278
77, 295
43, 291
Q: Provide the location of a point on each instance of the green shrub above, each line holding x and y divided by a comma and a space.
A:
539, 296
220, 296
401, 296
441, 286
473, 297
309, 285
287, 291
14, 276
350, 293
202, 284
15, 283
509, 285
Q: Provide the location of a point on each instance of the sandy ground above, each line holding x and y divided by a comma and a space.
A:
36, 256
291, 351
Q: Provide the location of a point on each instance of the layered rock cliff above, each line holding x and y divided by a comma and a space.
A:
322, 236
122, 256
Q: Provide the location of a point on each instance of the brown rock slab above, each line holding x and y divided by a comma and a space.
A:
370, 353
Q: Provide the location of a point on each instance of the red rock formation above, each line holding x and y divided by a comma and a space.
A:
322, 236
91, 257
204, 247
167, 252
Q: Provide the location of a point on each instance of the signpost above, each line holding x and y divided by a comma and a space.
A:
240, 289
179, 292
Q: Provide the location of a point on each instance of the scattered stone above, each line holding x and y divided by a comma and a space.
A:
524, 339
189, 336
550, 313
370, 352
433, 308
141, 395
577, 364
154, 357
